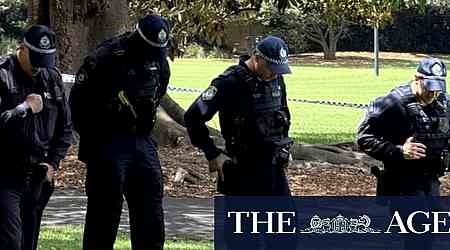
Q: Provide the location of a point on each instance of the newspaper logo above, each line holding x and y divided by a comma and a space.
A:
340, 225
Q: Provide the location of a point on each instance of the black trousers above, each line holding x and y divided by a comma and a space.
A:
257, 176
127, 167
421, 186
21, 208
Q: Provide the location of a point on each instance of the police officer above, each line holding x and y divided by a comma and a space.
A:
35, 128
254, 118
114, 100
408, 130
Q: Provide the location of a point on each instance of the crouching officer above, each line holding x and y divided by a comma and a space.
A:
408, 130
114, 102
35, 128
254, 119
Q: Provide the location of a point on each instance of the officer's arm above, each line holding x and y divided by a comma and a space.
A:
165, 76
371, 136
201, 111
3, 93
62, 137
284, 104
82, 95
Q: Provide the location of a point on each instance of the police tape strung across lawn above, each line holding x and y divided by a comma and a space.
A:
71, 79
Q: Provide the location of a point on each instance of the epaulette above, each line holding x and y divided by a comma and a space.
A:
241, 73
404, 94
396, 97
232, 71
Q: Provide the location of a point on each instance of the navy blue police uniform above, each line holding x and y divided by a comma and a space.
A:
389, 122
28, 139
254, 121
392, 119
114, 103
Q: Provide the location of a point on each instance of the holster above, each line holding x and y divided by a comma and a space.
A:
281, 152
36, 176
230, 171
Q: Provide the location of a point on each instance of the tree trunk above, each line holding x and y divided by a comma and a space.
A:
80, 25
329, 55
332, 43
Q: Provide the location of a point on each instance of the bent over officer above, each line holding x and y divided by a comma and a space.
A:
254, 119
408, 130
35, 132
114, 102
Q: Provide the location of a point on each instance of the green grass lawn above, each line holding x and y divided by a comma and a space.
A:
311, 123
70, 238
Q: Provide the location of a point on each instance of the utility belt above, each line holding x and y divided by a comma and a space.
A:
437, 152
275, 150
276, 153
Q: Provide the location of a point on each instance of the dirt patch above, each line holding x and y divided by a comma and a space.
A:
306, 178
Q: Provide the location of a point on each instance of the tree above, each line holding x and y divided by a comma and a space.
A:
288, 25
197, 21
13, 16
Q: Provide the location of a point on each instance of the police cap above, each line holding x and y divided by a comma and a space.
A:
434, 72
154, 30
41, 42
275, 51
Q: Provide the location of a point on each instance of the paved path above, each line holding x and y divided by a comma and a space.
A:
184, 218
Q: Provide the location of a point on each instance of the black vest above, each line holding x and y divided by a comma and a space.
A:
140, 82
255, 121
430, 126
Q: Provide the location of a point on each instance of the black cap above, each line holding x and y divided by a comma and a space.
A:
275, 51
41, 42
433, 71
154, 30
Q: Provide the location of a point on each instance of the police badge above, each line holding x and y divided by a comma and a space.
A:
209, 93
162, 36
44, 43
283, 53
437, 70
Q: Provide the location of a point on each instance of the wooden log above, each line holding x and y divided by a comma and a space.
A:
183, 175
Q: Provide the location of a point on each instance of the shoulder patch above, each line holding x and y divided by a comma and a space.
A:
81, 77
209, 93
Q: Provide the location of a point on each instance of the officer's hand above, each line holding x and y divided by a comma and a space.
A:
19, 111
34, 101
50, 171
413, 150
217, 165
289, 161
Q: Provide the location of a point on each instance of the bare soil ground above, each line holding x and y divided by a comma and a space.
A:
306, 178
